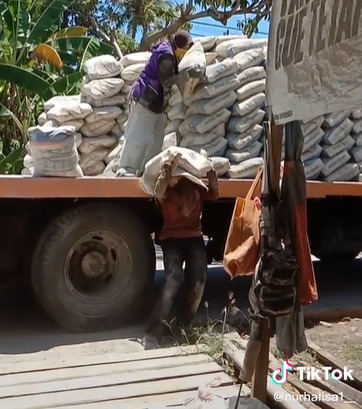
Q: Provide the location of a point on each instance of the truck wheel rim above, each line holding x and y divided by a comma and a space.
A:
98, 267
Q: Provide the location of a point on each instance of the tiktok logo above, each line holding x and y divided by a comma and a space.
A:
279, 376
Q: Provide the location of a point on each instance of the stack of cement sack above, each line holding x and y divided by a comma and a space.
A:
219, 112
333, 146
98, 115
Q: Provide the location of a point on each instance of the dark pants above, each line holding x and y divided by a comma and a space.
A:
192, 251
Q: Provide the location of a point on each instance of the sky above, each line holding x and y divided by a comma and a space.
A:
209, 27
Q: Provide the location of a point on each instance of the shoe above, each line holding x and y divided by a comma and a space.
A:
124, 173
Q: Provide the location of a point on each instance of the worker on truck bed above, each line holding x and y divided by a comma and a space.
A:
145, 128
182, 242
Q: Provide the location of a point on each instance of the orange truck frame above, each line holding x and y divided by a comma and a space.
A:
85, 248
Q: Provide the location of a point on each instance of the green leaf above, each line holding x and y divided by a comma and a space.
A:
62, 85
79, 44
11, 160
90, 51
5, 112
23, 79
50, 16
76, 31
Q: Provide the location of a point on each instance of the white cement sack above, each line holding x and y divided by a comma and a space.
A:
357, 113
236, 46
220, 70
175, 98
88, 160
95, 169
220, 165
337, 134
114, 153
54, 152
61, 101
308, 128
78, 139
177, 112
216, 147
207, 43
132, 72
64, 113
103, 66
102, 89
42, 118
241, 141
313, 138
135, 58
224, 38
203, 123
220, 130
28, 171
332, 164
103, 114
357, 127
173, 126
126, 89
249, 105
314, 152
193, 64
242, 125
91, 144
332, 150
189, 89
358, 139
313, 169
334, 119
122, 119
207, 91
169, 140
211, 106
345, 173
319, 120
99, 128
117, 100
251, 74
250, 89
197, 141
192, 163
28, 161
117, 131
74, 124
356, 153
211, 58
249, 58
246, 170
252, 151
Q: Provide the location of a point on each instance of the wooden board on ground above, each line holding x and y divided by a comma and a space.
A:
129, 381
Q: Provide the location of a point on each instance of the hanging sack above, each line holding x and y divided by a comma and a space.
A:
242, 243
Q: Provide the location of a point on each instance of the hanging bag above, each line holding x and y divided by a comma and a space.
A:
242, 243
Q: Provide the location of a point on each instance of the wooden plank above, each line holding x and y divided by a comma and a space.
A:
328, 359
98, 370
101, 359
120, 379
176, 399
64, 398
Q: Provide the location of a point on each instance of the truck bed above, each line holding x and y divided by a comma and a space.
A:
27, 187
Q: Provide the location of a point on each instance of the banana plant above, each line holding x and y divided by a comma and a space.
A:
38, 60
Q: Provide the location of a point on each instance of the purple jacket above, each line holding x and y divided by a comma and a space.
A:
159, 72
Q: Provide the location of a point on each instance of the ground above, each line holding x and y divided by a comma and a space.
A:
342, 339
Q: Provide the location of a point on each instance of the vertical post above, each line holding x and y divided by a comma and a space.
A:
260, 377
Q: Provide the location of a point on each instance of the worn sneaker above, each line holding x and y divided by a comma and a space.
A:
150, 342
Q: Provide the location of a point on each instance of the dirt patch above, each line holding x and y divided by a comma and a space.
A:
343, 340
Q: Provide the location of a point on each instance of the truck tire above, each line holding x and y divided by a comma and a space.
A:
92, 266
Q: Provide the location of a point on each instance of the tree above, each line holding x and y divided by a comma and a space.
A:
37, 60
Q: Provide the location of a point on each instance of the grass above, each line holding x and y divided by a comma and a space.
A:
209, 334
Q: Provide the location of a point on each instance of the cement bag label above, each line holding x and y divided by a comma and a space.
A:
314, 64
